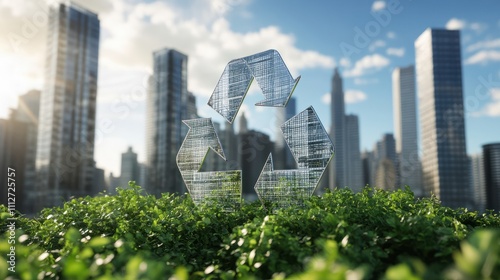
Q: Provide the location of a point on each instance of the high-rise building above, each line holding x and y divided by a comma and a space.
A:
491, 161
282, 156
13, 144
384, 171
439, 80
254, 149
167, 107
129, 168
337, 173
354, 169
405, 128
368, 169
478, 181
65, 146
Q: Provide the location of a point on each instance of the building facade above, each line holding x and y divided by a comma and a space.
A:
167, 107
129, 168
354, 169
336, 172
405, 128
282, 156
478, 184
65, 145
491, 164
439, 81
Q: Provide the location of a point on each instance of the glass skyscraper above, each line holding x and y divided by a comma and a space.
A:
405, 128
167, 107
491, 165
439, 80
65, 146
337, 133
354, 169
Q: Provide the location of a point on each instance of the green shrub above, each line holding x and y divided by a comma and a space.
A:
369, 235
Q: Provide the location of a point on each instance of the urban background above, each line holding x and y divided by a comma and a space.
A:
96, 92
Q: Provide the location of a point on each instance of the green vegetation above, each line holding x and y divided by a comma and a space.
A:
374, 234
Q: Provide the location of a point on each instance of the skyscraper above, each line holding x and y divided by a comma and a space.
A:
65, 148
167, 107
385, 163
439, 80
129, 168
337, 133
354, 169
478, 181
282, 156
405, 128
491, 161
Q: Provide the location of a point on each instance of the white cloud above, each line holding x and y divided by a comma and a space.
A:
350, 96
378, 5
493, 108
396, 51
459, 24
455, 24
326, 98
484, 57
376, 44
354, 96
368, 63
487, 44
360, 81
391, 35
345, 62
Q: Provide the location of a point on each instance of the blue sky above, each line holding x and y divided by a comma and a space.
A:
311, 36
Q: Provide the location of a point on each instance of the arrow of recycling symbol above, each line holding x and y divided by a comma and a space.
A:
312, 149
271, 73
202, 185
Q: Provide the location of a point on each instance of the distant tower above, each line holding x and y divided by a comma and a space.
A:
439, 79
168, 103
385, 163
65, 145
354, 169
405, 128
491, 161
337, 133
282, 157
129, 168
478, 181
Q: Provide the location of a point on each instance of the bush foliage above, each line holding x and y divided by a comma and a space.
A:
373, 234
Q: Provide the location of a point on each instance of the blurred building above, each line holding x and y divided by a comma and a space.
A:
282, 156
439, 80
337, 173
384, 165
491, 164
129, 168
478, 184
65, 146
13, 152
168, 102
354, 169
254, 149
405, 128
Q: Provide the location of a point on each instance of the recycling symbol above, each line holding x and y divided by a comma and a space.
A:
304, 134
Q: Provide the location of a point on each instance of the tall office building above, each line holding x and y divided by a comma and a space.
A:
129, 168
354, 169
477, 181
405, 128
167, 103
282, 156
385, 175
439, 80
65, 147
491, 161
337, 133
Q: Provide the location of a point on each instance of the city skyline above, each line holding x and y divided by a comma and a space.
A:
366, 81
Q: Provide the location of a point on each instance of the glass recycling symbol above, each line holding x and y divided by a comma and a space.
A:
304, 134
